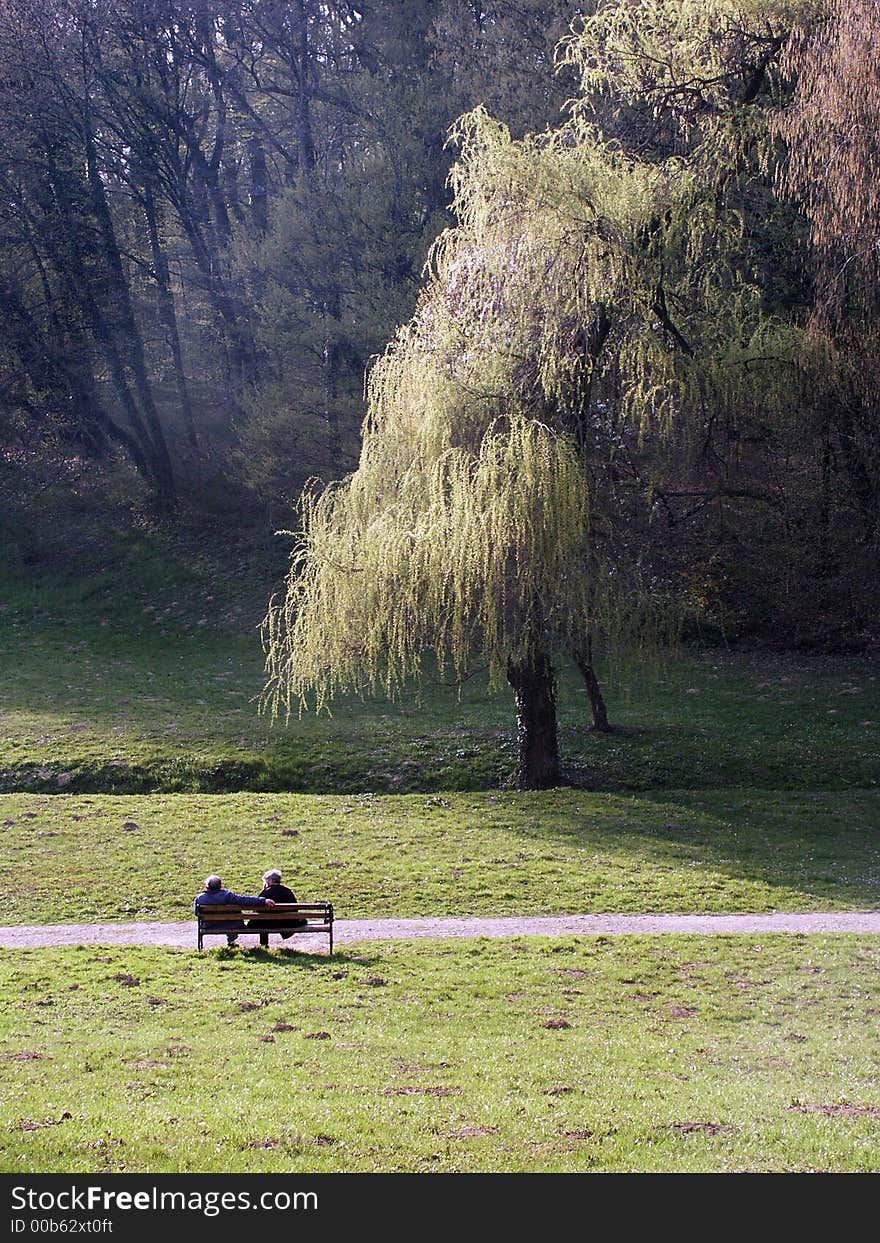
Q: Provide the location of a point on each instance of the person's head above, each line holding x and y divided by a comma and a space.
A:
213, 882
272, 877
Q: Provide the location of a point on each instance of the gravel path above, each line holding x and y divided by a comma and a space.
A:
348, 931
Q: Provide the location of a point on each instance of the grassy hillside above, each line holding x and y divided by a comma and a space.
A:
130, 662
80, 858
92, 710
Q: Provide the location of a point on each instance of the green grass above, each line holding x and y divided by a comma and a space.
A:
142, 712
653, 1054
130, 662
102, 857
133, 762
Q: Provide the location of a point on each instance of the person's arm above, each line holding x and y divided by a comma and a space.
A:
243, 899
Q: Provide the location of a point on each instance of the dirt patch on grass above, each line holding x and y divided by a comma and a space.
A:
702, 1128
837, 1111
471, 1132
413, 1090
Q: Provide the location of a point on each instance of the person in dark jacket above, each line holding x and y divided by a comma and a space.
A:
276, 892
215, 895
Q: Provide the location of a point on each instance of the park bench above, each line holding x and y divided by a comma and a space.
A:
213, 921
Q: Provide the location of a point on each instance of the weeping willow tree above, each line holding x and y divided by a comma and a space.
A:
585, 295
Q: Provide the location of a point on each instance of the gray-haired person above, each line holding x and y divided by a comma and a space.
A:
274, 890
215, 895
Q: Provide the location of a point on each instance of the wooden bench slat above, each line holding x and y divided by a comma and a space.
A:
214, 926
208, 912
269, 919
288, 909
225, 912
251, 916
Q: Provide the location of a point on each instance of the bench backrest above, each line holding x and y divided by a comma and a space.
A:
278, 914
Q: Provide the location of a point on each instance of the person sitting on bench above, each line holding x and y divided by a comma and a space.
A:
275, 892
215, 895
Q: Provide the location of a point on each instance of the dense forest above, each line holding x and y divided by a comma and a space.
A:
628, 245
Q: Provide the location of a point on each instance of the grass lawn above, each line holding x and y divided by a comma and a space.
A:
132, 763
130, 662
104, 857
624, 1054
88, 710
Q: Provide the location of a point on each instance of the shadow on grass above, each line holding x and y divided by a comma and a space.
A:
176, 713
823, 846
290, 958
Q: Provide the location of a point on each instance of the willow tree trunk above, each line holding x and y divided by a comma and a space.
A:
534, 688
583, 658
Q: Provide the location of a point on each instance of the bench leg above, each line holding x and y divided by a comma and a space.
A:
264, 940
331, 940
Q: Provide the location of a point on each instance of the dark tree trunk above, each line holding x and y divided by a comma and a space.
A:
66, 366
591, 345
208, 166
330, 368
583, 658
167, 312
70, 267
304, 135
259, 185
124, 331
212, 205
229, 307
534, 688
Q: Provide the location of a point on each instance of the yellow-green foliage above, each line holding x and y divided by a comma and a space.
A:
681, 56
473, 521
451, 554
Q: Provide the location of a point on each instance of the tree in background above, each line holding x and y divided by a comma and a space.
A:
69, 302
587, 301
767, 505
215, 214
338, 267
241, 198
832, 134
